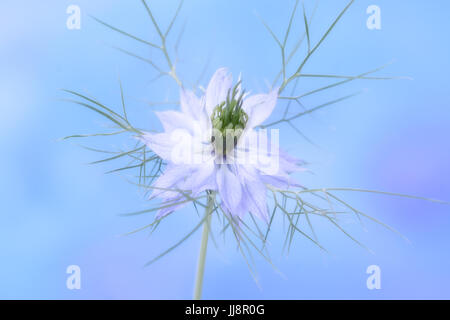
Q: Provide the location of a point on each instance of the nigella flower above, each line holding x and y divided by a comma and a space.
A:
215, 147
212, 144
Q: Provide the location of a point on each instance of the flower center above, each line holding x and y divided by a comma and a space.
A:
228, 121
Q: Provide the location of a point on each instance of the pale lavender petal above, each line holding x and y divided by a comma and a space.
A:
190, 103
229, 189
280, 182
259, 107
171, 205
290, 164
194, 181
254, 193
204, 118
174, 120
255, 152
241, 210
217, 89
211, 182
172, 178
160, 143
201, 177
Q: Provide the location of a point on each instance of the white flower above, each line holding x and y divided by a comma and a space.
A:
194, 133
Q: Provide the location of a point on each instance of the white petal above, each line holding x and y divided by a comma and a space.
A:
290, 164
204, 118
253, 148
217, 89
255, 193
160, 143
190, 103
200, 178
229, 189
192, 180
211, 183
194, 107
173, 120
259, 107
172, 178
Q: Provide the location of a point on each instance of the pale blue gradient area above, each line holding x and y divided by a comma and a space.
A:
56, 211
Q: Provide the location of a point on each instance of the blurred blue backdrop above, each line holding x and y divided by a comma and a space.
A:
56, 211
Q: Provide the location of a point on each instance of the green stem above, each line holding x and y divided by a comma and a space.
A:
203, 249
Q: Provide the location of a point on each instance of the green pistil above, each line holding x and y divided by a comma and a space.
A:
229, 118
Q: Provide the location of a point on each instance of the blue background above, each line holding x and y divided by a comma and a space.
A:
56, 211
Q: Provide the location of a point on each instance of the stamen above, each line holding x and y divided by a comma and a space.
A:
228, 120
